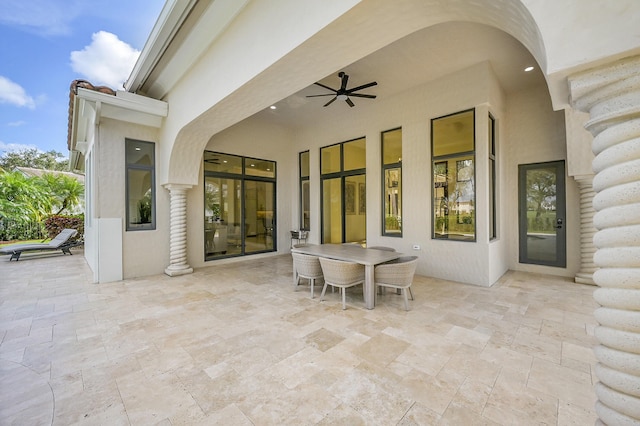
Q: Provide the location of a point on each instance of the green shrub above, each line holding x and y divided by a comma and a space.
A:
56, 223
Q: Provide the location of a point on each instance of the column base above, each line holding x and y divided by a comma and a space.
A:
174, 271
582, 278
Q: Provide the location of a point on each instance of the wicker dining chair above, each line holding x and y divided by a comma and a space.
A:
398, 275
343, 275
308, 267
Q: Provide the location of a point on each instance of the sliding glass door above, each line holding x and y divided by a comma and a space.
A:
239, 205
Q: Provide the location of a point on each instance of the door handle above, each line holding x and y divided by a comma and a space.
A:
558, 224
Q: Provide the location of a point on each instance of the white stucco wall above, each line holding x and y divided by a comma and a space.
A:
535, 133
529, 132
143, 252
256, 139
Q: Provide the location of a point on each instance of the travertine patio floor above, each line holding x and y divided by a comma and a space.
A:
235, 345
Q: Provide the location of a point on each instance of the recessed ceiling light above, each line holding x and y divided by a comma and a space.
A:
138, 148
273, 107
527, 69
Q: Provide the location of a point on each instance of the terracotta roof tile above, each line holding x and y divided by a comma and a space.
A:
73, 92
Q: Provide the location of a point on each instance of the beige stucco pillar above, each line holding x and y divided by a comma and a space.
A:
178, 231
587, 230
611, 95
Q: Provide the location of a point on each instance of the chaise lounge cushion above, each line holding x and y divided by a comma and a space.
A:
60, 242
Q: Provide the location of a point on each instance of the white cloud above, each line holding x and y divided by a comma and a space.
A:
17, 123
106, 61
46, 17
12, 147
13, 93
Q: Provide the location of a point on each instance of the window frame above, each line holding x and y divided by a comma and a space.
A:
457, 156
304, 180
384, 168
342, 175
493, 174
145, 168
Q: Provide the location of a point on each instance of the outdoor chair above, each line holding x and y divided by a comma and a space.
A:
343, 275
308, 267
398, 275
60, 242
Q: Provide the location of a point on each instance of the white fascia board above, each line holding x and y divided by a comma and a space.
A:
213, 22
171, 18
126, 101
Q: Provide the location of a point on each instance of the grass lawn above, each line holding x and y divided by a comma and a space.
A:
8, 243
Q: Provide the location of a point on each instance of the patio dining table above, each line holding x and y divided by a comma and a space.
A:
352, 253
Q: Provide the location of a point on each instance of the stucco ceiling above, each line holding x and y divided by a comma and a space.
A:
418, 58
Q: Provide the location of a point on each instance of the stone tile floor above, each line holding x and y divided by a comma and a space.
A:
235, 345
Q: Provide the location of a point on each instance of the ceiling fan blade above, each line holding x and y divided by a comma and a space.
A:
345, 78
326, 87
362, 95
364, 86
349, 102
331, 101
326, 94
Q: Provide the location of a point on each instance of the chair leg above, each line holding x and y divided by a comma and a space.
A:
344, 298
411, 293
311, 280
324, 288
406, 301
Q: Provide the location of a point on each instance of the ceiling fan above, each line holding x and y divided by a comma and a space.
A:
343, 93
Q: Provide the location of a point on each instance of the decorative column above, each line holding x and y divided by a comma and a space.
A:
611, 95
178, 233
587, 230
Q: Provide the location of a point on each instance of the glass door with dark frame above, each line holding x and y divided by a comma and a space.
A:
542, 225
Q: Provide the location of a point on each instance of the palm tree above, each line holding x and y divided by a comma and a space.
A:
66, 192
23, 199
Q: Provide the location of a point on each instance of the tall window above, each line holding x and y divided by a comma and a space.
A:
239, 205
140, 181
453, 155
305, 207
344, 204
392, 182
493, 233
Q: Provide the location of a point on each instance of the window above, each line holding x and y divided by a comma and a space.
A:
343, 192
392, 182
140, 181
305, 199
493, 233
239, 205
453, 156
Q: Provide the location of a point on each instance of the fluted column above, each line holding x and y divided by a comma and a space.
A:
587, 230
178, 231
611, 95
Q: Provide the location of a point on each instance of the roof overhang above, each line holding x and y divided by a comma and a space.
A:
88, 107
164, 60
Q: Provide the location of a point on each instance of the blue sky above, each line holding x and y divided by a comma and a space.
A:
46, 44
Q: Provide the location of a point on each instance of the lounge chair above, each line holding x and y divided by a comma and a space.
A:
60, 242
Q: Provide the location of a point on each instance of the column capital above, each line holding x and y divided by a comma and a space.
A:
176, 186
610, 93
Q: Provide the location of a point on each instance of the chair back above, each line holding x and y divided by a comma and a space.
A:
341, 273
306, 266
400, 272
62, 237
